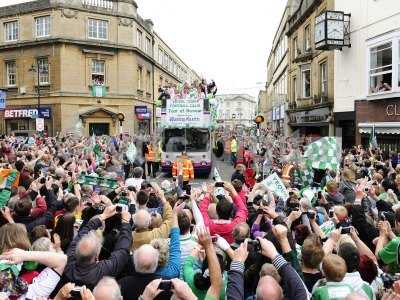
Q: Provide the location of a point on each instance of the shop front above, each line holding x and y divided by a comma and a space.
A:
381, 117
22, 121
143, 117
315, 122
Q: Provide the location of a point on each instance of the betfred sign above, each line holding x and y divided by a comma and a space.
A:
44, 112
140, 109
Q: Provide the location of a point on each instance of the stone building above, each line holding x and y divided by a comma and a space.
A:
277, 81
367, 75
236, 109
88, 60
310, 73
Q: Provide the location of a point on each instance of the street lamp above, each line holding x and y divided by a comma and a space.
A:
121, 118
35, 68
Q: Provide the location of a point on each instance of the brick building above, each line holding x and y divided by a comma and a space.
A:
89, 59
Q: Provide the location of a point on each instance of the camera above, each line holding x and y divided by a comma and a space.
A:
118, 209
254, 245
42, 180
389, 279
331, 213
214, 238
165, 285
311, 214
346, 230
219, 184
76, 293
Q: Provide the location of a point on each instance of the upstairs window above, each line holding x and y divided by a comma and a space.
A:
11, 73
11, 31
43, 64
98, 72
42, 26
380, 68
139, 37
98, 29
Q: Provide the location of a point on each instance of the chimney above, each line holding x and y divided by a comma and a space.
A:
127, 7
149, 24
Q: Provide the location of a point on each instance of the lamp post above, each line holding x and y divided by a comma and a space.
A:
36, 69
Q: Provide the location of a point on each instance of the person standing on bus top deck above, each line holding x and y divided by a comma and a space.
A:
183, 172
234, 148
150, 158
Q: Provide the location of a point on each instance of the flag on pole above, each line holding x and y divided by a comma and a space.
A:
323, 154
372, 138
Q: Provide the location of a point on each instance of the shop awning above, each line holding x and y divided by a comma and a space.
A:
380, 127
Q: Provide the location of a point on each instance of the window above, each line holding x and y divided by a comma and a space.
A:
294, 88
98, 72
42, 26
11, 31
43, 64
148, 81
380, 70
295, 48
139, 37
306, 82
160, 56
139, 77
98, 29
147, 46
307, 38
11, 73
323, 73
161, 81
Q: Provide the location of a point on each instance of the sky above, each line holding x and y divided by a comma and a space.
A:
223, 40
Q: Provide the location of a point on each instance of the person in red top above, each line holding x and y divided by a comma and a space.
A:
225, 224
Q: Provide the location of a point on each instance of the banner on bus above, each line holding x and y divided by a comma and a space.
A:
185, 113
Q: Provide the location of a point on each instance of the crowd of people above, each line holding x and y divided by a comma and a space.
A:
81, 220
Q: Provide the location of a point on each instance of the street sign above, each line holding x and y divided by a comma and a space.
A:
140, 109
3, 97
39, 124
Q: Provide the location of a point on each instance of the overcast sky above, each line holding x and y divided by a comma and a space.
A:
225, 40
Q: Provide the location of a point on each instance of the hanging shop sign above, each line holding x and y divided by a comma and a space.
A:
31, 113
315, 115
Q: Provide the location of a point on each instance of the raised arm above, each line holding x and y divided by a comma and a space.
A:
235, 287
204, 209
54, 260
213, 264
120, 256
294, 286
198, 217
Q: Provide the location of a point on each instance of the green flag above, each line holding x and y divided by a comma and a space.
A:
98, 91
323, 154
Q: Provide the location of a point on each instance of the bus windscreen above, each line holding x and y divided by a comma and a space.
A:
189, 140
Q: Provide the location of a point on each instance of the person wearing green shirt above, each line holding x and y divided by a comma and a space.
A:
388, 244
331, 287
211, 286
